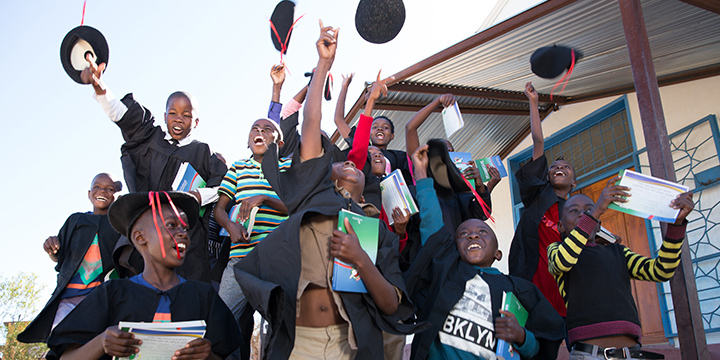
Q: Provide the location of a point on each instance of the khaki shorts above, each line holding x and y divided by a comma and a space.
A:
322, 343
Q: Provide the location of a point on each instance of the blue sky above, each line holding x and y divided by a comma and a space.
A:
55, 136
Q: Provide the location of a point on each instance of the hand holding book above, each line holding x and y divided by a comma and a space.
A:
346, 246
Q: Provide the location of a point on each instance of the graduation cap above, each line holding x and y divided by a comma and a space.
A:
379, 21
281, 25
79, 42
549, 62
328, 84
447, 176
127, 209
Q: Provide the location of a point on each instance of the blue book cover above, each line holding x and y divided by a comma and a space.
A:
345, 276
187, 179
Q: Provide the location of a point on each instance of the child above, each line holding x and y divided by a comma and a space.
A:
151, 159
459, 293
602, 318
83, 253
287, 278
543, 194
158, 225
244, 185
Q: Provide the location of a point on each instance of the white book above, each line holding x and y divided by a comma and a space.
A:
395, 193
452, 119
161, 340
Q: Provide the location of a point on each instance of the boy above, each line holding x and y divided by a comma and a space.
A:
151, 159
457, 291
245, 185
157, 224
602, 318
543, 194
287, 278
83, 253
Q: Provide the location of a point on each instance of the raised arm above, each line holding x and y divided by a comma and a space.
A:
310, 140
277, 74
342, 126
431, 219
412, 140
535, 124
361, 141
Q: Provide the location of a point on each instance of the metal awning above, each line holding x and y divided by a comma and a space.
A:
488, 71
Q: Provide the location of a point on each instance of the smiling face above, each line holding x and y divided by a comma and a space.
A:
347, 176
574, 208
476, 243
381, 132
561, 174
180, 116
262, 133
145, 238
102, 193
377, 161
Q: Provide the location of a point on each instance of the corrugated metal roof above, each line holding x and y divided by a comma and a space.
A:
683, 38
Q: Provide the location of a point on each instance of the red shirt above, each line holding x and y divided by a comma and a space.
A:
549, 234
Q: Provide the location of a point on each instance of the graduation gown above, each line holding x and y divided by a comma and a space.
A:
75, 238
436, 282
123, 300
537, 196
269, 274
150, 163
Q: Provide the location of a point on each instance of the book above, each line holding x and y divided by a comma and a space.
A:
395, 193
345, 276
461, 160
650, 198
510, 303
606, 234
234, 216
452, 119
161, 340
187, 178
493, 161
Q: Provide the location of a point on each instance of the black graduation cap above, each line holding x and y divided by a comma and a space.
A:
281, 23
443, 169
550, 61
126, 210
77, 44
379, 21
328, 84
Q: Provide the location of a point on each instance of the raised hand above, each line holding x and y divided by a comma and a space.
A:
611, 193
346, 80
91, 74
420, 162
531, 93
494, 177
378, 88
277, 73
327, 43
447, 100
684, 202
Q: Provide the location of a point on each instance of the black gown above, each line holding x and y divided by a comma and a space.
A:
150, 163
75, 238
125, 300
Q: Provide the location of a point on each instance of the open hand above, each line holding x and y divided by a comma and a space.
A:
611, 193
494, 177
346, 246
277, 73
684, 202
507, 328
116, 342
378, 88
327, 43
346, 80
198, 349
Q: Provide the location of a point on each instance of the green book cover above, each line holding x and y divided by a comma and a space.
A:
345, 276
511, 304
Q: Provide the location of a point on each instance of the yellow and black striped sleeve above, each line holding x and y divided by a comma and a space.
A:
663, 266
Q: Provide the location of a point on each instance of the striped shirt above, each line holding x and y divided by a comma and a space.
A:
243, 180
562, 256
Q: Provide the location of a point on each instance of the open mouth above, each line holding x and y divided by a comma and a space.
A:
181, 247
101, 198
380, 135
177, 129
258, 140
559, 173
474, 246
